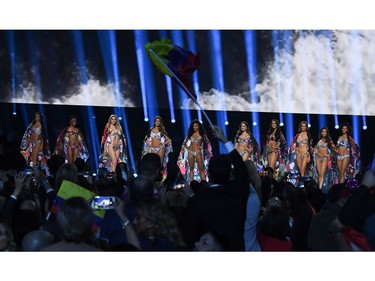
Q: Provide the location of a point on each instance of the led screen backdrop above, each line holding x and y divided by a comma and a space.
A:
292, 71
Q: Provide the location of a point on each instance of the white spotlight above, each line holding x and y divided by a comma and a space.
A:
309, 125
93, 117
281, 124
120, 118
94, 174
146, 119
255, 123
173, 121
337, 126
135, 175
14, 113
364, 127
226, 123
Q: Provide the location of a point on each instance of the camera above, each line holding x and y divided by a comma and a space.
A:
293, 177
103, 202
177, 185
28, 171
30, 174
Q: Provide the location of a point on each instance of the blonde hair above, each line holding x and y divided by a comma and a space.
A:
117, 125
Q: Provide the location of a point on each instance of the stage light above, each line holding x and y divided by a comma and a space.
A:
93, 117
119, 118
185, 115
14, 113
135, 175
281, 124
356, 131
309, 125
173, 121
146, 75
94, 174
217, 73
226, 123
255, 123
251, 58
337, 126
146, 119
192, 46
364, 122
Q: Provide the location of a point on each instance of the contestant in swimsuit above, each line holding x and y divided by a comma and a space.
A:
195, 153
246, 144
300, 151
34, 145
71, 143
113, 145
325, 162
275, 152
348, 154
157, 141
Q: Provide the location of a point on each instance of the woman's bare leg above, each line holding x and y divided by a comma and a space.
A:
161, 154
35, 152
344, 165
191, 160
112, 155
272, 157
201, 167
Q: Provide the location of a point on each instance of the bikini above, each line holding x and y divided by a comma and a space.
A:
321, 145
346, 144
109, 140
72, 133
243, 141
196, 140
155, 135
37, 131
158, 136
304, 141
271, 138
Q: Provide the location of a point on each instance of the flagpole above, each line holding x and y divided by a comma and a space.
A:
182, 85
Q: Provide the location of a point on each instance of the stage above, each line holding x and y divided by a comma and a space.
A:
93, 119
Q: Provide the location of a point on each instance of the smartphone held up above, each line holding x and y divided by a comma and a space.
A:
103, 202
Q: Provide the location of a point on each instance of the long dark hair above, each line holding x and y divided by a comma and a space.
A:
239, 132
75, 117
161, 127
278, 130
349, 132
41, 120
202, 131
165, 223
328, 138
43, 132
309, 137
